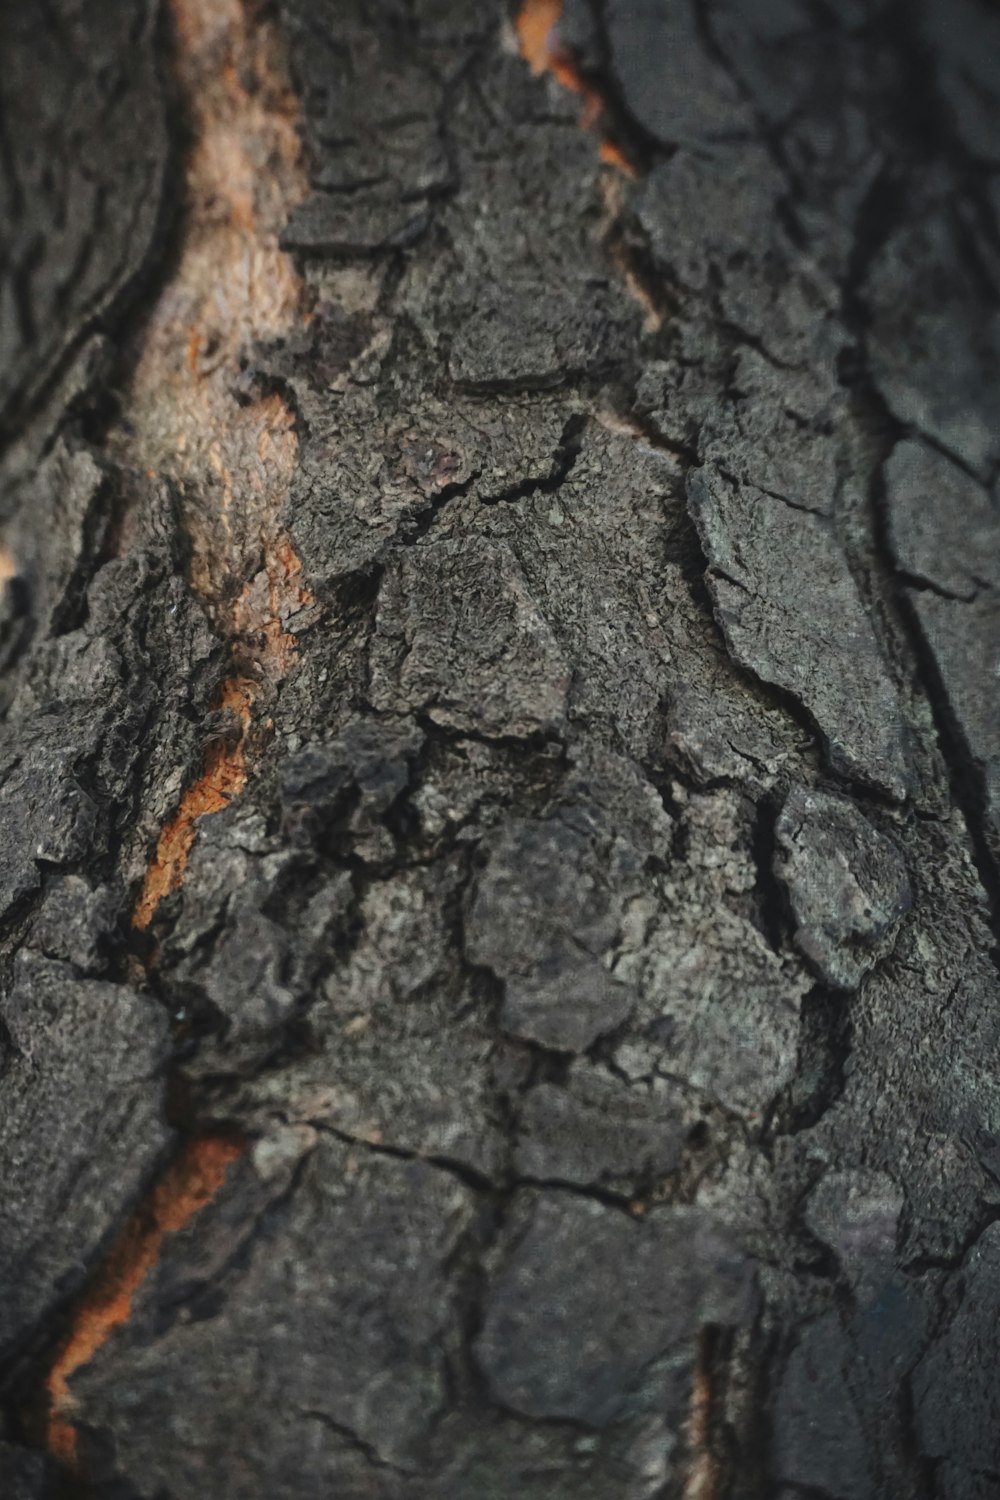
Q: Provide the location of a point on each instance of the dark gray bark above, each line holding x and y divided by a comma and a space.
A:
570, 1063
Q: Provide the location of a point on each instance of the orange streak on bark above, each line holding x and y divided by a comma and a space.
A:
701, 1481
233, 287
230, 458
188, 1185
535, 22
614, 156
193, 351
230, 454
540, 47
223, 778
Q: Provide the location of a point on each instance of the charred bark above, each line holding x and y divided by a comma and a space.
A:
500, 750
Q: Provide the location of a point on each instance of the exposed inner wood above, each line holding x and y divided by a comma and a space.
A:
230, 455
192, 1180
223, 777
702, 1479
536, 25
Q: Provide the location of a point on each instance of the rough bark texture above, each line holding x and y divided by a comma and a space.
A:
501, 750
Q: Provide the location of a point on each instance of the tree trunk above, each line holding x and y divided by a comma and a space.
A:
501, 750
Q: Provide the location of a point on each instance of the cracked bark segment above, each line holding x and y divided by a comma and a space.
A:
954, 1386
246, 980
600, 581
543, 915
353, 224
376, 1069
95, 732
709, 1007
932, 343
49, 817
459, 637
225, 952
733, 202
551, 1350
965, 41
713, 225
719, 1011
813, 86
75, 923
672, 86
715, 733
847, 885
832, 1427
81, 171
376, 470
792, 614
551, 333
516, 312
83, 1126
675, 396
331, 1377
526, 308
919, 1088
964, 642
373, 107
593, 1132
944, 531
777, 50
944, 527
776, 434
857, 1214
818, 1439
320, 950
62, 515
370, 764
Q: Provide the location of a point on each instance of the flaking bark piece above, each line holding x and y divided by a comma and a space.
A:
82, 176
818, 1441
791, 613
847, 885
82, 1128
48, 818
550, 1349
670, 84
944, 531
595, 1130
541, 917
954, 1385
336, 1311
460, 637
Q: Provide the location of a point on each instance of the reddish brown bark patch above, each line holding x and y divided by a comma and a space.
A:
537, 33
223, 778
194, 415
189, 1184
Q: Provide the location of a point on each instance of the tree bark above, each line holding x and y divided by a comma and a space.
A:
500, 750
